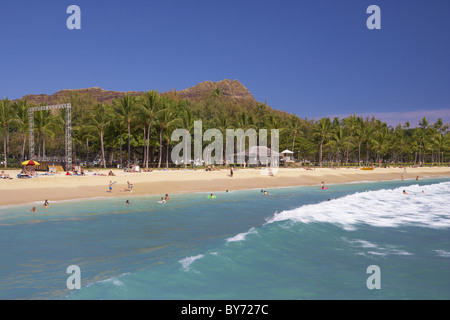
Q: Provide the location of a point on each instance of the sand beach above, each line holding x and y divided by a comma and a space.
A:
95, 182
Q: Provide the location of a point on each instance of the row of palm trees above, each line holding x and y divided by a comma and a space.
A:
146, 122
350, 137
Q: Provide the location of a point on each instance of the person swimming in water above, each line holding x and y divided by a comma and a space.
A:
162, 200
166, 197
266, 192
46, 204
33, 210
322, 185
127, 202
404, 192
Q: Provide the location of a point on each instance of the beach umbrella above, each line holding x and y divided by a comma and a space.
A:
30, 163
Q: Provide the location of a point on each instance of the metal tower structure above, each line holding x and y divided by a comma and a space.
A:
68, 133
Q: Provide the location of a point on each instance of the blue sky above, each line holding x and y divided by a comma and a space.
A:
312, 58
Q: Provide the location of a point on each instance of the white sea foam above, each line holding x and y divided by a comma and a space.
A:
241, 236
380, 208
186, 262
442, 253
376, 249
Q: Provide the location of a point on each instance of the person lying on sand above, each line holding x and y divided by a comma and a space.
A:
3, 175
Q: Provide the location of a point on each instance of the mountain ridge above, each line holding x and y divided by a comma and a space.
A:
228, 88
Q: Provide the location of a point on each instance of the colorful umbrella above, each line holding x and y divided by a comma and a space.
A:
30, 163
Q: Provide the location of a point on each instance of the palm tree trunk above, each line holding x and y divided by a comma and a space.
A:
120, 153
359, 153
7, 140
4, 147
43, 146
367, 155
22, 149
39, 145
87, 151
145, 147
160, 148
103, 149
293, 143
148, 142
167, 155
320, 152
129, 145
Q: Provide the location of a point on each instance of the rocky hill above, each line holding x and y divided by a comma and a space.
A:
232, 89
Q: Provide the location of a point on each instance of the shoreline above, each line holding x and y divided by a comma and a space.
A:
69, 188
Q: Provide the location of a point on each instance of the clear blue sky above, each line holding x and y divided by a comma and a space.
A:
313, 58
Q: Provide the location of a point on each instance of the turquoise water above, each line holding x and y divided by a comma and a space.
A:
290, 244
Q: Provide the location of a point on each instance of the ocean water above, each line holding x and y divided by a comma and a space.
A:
295, 243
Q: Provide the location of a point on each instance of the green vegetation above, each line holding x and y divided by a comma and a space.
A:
144, 123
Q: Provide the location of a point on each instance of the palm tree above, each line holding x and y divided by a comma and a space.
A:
350, 125
340, 140
21, 107
362, 132
322, 130
400, 138
7, 118
125, 109
380, 143
165, 119
45, 125
187, 122
100, 119
173, 124
295, 128
148, 105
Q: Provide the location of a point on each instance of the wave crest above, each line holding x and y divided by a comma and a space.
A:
425, 206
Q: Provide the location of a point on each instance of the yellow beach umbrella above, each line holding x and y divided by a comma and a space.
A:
30, 163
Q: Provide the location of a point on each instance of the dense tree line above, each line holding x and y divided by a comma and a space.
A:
137, 129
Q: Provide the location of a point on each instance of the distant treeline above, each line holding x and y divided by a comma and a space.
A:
137, 130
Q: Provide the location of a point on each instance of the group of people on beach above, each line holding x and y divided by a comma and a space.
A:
28, 172
112, 183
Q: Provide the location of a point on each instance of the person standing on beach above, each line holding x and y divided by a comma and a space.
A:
110, 186
231, 172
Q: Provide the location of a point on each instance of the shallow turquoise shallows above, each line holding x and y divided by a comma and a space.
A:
294, 243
